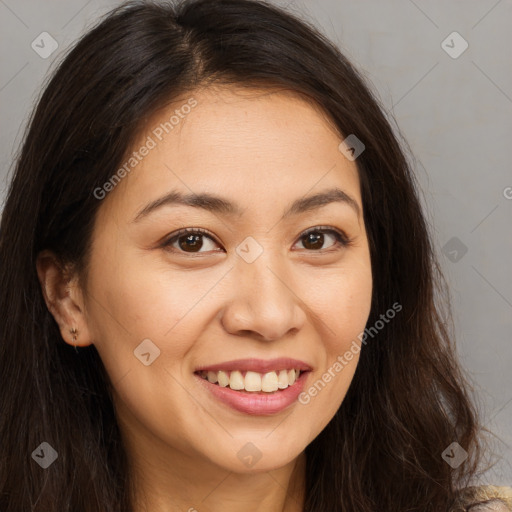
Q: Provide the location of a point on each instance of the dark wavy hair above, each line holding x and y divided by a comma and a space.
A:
409, 398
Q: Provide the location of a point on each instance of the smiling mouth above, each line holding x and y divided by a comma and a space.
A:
252, 382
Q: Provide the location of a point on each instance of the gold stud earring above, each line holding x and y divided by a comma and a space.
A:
74, 332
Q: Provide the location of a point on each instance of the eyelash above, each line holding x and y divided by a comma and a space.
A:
342, 240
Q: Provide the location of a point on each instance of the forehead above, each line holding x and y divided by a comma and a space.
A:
265, 145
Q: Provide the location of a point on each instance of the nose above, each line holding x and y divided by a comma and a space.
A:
263, 302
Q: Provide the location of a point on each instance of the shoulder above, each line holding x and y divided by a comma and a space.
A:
483, 498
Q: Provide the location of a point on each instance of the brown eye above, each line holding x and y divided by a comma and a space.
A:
189, 241
192, 240
315, 238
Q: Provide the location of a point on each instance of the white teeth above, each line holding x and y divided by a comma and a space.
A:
223, 379
282, 379
236, 381
269, 382
252, 381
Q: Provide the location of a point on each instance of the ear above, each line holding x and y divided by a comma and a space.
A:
63, 298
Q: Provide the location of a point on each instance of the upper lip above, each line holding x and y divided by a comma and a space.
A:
257, 365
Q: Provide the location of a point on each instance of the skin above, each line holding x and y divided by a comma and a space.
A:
262, 150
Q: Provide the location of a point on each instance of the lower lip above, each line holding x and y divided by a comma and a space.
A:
260, 403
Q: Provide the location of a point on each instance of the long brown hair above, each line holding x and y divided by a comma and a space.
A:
408, 400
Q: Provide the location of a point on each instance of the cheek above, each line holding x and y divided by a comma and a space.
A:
129, 304
343, 306
342, 303
136, 311
137, 300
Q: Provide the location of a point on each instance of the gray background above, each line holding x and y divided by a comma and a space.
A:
455, 114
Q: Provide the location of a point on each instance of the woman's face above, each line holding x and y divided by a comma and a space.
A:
252, 286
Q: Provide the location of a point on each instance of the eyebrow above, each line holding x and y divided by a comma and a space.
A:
222, 206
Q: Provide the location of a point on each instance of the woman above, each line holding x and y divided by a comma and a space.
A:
218, 284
